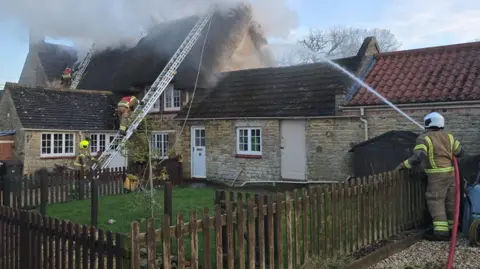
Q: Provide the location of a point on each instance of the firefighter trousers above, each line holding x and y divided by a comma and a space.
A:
440, 197
124, 115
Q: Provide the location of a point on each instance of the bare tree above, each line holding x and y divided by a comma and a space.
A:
339, 42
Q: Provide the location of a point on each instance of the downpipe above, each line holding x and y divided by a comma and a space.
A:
453, 239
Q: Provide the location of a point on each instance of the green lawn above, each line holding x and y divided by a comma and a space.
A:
126, 208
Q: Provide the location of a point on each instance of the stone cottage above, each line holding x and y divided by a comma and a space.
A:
273, 123
233, 42
445, 79
48, 124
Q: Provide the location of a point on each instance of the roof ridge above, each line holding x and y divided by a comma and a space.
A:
430, 49
16, 86
289, 66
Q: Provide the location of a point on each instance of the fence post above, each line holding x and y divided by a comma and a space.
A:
167, 202
7, 188
43, 192
94, 199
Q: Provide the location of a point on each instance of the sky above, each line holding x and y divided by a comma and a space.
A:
415, 23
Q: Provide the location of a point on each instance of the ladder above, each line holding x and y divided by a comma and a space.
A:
81, 69
157, 88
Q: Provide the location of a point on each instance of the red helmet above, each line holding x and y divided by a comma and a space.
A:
67, 71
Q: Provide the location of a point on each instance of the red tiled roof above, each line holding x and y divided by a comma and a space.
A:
436, 74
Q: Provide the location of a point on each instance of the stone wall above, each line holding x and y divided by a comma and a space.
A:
33, 161
328, 142
463, 122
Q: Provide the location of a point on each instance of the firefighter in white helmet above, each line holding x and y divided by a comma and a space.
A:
435, 148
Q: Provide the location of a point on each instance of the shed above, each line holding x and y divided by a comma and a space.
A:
382, 153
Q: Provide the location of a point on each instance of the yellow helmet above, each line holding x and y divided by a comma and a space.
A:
84, 144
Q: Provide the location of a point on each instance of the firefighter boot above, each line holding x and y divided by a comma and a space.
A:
432, 235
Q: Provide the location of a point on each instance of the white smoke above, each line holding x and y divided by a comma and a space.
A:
112, 23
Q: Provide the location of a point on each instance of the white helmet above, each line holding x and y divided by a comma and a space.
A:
434, 119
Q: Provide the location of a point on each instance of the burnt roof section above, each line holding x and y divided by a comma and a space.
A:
302, 90
40, 108
55, 58
121, 68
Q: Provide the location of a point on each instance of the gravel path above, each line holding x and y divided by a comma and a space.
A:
433, 255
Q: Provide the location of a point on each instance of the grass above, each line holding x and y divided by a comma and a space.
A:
130, 207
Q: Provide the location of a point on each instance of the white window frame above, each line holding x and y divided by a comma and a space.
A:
163, 153
52, 147
156, 106
95, 139
172, 93
249, 143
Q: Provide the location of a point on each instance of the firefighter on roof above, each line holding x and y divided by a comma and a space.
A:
125, 108
435, 148
67, 76
83, 156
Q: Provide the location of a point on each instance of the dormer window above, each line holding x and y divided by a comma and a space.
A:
171, 99
157, 104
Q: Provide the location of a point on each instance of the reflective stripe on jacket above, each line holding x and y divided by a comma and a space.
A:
436, 148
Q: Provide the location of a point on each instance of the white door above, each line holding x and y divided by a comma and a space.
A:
293, 149
199, 166
119, 161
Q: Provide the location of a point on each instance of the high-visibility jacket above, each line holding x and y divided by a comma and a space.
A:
129, 102
82, 158
67, 73
436, 149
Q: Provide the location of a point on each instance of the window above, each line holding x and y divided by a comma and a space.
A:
171, 99
249, 141
156, 105
57, 145
98, 142
160, 144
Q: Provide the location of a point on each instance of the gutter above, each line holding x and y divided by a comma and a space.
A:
365, 122
68, 131
445, 105
270, 118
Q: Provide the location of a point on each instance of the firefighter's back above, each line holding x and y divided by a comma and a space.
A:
440, 147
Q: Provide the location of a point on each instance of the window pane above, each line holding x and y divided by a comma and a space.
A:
243, 139
168, 97
57, 143
255, 139
46, 143
93, 143
102, 142
69, 147
176, 98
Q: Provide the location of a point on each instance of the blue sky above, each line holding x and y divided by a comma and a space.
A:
415, 23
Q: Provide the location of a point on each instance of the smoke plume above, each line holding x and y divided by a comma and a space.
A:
113, 23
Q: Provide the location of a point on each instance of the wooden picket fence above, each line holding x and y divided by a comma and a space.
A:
286, 229
30, 241
25, 193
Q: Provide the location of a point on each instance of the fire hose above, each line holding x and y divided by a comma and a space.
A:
453, 239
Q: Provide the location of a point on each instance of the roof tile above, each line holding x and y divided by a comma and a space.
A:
304, 90
40, 108
436, 74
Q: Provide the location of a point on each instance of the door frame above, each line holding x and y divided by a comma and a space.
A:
192, 143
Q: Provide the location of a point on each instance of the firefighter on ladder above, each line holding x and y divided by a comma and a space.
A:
67, 76
83, 158
125, 108
435, 148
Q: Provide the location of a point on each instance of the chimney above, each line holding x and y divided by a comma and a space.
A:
36, 39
